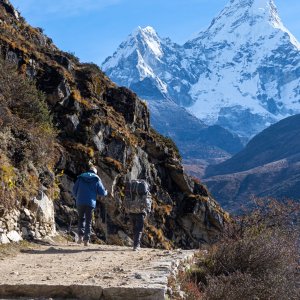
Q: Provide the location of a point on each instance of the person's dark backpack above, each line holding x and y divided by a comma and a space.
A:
137, 197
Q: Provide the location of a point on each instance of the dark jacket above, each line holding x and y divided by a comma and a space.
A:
86, 188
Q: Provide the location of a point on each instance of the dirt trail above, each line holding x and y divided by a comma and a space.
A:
94, 272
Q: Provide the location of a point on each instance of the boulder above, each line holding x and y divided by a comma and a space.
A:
45, 211
127, 241
14, 236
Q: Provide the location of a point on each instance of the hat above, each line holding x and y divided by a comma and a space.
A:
94, 169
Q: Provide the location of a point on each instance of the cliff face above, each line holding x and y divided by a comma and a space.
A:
98, 122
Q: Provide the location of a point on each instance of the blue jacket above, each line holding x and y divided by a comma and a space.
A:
86, 188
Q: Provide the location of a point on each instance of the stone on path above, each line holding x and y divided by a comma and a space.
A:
94, 272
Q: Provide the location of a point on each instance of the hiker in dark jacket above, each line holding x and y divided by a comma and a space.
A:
138, 204
138, 220
87, 186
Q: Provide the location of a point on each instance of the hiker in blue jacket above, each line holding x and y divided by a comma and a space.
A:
87, 186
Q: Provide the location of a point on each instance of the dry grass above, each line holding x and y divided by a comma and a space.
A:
12, 249
115, 163
156, 235
256, 258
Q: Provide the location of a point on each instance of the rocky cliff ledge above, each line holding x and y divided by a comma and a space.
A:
107, 125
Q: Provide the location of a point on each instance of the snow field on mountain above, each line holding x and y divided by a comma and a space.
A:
241, 73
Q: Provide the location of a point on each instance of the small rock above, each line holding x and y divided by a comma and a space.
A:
15, 273
91, 258
26, 212
137, 276
15, 218
118, 269
43, 232
88, 259
37, 235
31, 233
107, 277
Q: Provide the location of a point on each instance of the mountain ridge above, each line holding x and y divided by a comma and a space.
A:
267, 167
220, 76
148, 85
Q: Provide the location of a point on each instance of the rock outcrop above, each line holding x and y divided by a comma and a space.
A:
100, 123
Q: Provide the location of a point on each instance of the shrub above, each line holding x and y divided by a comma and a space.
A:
7, 182
25, 118
20, 95
256, 258
27, 136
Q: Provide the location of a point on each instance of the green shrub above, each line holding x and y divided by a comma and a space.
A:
20, 95
24, 117
27, 136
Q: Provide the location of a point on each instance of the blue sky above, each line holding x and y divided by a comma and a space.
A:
93, 29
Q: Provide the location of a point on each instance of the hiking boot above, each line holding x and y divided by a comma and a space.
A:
80, 239
137, 248
86, 243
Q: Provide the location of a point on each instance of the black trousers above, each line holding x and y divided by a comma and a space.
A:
138, 227
85, 214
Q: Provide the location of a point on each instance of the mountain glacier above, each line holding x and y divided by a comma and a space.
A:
242, 72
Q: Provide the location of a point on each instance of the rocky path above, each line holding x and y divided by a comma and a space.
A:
94, 272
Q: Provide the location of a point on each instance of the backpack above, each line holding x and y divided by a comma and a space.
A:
137, 197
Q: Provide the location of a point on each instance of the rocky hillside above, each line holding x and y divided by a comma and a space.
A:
96, 122
268, 166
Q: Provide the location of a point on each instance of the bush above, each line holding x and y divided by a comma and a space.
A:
20, 96
27, 136
256, 258
25, 119
7, 183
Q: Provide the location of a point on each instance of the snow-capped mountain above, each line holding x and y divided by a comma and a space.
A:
149, 66
252, 75
242, 72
